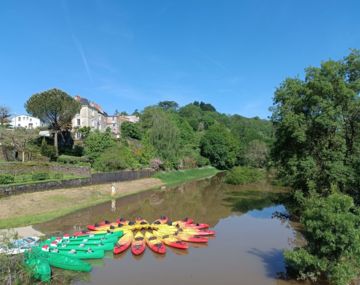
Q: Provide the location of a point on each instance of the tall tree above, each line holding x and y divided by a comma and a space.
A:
19, 139
220, 147
317, 127
4, 116
168, 105
54, 107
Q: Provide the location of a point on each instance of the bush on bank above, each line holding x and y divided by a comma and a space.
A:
242, 175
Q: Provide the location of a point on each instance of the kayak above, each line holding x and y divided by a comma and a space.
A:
105, 246
141, 224
124, 242
184, 236
40, 268
187, 225
91, 236
113, 227
89, 242
171, 240
80, 254
138, 244
162, 220
123, 221
154, 243
61, 261
96, 234
191, 231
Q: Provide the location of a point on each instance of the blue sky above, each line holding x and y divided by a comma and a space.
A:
127, 54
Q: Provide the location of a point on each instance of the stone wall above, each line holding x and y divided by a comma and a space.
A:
97, 178
16, 168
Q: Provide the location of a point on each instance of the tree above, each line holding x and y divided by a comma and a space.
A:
131, 130
220, 147
96, 143
317, 127
19, 139
256, 154
4, 116
162, 133
168, 105
54, 107
84, 131
331, 228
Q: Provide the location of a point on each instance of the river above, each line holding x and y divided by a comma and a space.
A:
247, 249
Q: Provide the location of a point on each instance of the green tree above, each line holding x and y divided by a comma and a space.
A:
84, 131
163, 133
331, 228
19, 139
256, 154
317, 127
54, 107
220, 147
4, 116
96, 143
168, 105
116, 157
131, 130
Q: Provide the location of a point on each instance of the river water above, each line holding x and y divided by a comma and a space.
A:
247, 249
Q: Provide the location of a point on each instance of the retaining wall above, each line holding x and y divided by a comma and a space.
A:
96, 178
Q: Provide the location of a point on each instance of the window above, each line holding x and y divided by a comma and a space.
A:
19, 119
30, 119
78, 122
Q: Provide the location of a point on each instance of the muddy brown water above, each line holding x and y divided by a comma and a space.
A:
247, 248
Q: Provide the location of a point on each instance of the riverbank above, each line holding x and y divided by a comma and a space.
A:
172, 178
32, 208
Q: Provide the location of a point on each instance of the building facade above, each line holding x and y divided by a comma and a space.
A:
26, 121
90, 115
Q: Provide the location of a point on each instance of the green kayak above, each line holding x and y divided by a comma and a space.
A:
105, 246
40, 268
98, 235
61, 261
81, 254
90, 242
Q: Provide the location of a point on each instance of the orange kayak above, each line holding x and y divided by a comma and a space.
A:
124, 242
138, 244
154, 243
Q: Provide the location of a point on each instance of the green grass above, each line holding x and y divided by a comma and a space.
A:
45, 217
243, 175
27, 179
180, 176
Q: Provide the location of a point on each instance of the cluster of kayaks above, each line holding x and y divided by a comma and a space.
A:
69, 251
156, 235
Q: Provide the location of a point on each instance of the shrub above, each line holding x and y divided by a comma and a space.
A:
7, 179
242, 175
331, 228
59, 176
131, 130
40, 176
75, 160
117, 157
46, 149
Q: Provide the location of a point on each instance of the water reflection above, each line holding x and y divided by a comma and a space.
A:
246, 250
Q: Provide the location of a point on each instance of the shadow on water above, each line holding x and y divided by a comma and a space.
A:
272, 260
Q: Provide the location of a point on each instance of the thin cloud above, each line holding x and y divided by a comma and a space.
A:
80, 49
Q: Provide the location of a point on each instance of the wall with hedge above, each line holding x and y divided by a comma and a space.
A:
97, 178
16, 168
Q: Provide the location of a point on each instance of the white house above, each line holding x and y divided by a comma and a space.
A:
25, 121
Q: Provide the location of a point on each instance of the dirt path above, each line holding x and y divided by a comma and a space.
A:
37, 203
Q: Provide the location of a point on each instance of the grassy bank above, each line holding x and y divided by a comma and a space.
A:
180, 176
33, 208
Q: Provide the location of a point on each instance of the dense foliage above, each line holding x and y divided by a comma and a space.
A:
242, 175
317, 127
317, 152
331, 228
56, 108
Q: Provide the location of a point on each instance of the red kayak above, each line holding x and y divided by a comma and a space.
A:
124, 242
171, 240
138, 244
190, 238
154, 243
162, 220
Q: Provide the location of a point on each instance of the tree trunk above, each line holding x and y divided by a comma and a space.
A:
56, 144
23, 156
